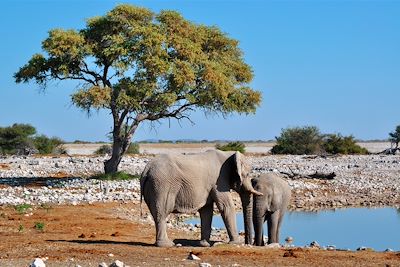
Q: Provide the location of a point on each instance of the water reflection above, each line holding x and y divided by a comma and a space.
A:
345, 228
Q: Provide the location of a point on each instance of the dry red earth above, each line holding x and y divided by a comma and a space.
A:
88, 234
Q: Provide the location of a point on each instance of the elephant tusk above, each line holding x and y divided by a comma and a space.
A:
256, 192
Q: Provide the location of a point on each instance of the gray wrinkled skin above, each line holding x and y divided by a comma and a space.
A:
270, 207
194, 182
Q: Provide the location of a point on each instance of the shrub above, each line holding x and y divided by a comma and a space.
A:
338, 144
133, 148
117, 176
394, 137
39, 226
104, 149
298, 141
60, 150
22, 208
46, 145
232, 146
14, 139
21, 139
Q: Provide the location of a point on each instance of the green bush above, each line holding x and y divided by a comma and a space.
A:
232, 146
133, 148
46, 145
308, 140
104, 149
298, 141
338, 144
21, 139
60, 150
117, 176
14, 139
394, 137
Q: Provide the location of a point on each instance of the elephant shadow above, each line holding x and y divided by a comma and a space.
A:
191, 242
109, 242
183, 242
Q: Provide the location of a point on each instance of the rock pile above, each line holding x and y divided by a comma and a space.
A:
370, 180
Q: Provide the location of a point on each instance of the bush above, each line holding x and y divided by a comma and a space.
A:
16, 138
133, 148
104, 149
117, 176
46, 145
298, 141
308, 140
232, 146
60, 150
394, 137
21, 139
338, 144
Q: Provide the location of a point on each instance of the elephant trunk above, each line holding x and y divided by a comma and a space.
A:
247, 206
247, 186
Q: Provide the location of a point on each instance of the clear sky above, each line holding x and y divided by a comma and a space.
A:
332, 64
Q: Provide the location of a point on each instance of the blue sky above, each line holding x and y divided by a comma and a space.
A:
332, 64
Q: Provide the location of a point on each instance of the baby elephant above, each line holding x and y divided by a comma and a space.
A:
270, 206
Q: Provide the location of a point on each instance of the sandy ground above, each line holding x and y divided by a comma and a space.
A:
90, 234
159, 148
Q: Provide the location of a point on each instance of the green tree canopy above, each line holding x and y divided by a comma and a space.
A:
145, 66
298, 140
22, 139
309, 140
16, 137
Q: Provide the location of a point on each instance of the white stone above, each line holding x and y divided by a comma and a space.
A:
193, 257
38, 262
117, 263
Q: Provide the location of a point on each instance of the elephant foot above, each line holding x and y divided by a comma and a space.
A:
204, 243
165, 243
235, 242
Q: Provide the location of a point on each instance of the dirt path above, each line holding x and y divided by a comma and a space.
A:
88, 234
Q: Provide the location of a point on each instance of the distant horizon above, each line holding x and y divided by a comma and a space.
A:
332, 64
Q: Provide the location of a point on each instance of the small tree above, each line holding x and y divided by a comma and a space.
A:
298, 141
338, 144
16, 138
21, 139
46, 145
232, 146
145, 67
394, 138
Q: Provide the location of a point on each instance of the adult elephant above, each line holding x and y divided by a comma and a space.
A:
194, 182
270, 207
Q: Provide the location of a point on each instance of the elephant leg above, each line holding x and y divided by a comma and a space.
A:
160, 220
258, 222
162, 239
273, 222
206, 214
227, 208
281, 214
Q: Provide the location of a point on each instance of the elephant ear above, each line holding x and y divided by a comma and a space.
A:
238, 157
243, 170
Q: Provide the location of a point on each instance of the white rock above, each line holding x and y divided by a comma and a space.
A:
38, 262
205, 264
103, 264
193, 257
117, 263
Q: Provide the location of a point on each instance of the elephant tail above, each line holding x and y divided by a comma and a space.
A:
143, 180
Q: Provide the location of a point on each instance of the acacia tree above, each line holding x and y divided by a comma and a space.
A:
145, 67
394, 138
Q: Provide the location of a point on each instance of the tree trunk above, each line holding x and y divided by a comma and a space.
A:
247, 206
118, 149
